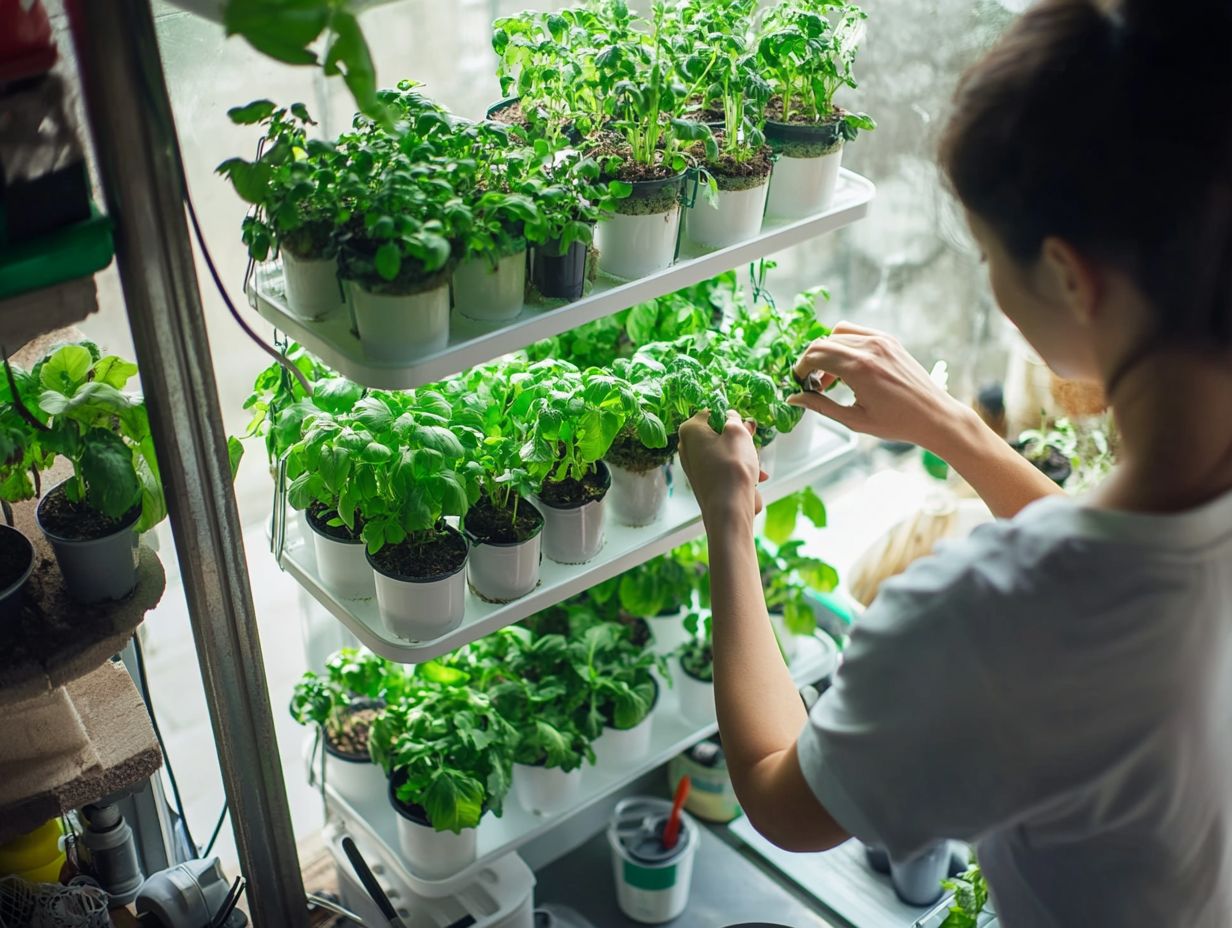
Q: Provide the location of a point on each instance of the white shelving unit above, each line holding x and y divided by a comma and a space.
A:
374, 822
471, 343
624, 548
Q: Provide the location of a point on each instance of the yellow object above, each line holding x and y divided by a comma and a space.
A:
36, 856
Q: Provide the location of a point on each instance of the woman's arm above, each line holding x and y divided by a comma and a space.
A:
760, 710
897, 400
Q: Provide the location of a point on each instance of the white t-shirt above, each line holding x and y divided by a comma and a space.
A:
1057, 689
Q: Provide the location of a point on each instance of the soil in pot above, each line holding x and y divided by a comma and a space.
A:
801, 138
319, 515
627, 452
730, 174
571, 494
699, 665
439, 556
489, 522
60, 516
1055, 465
509, 113
350, 737
639, 631
16, 555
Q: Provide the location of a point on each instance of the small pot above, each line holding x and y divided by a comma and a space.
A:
623, 747
313, 288
431, 854
917, 880
500, 106
768, 456
575, 535
421, 609
632, 245
355, 779
342, 563
637, 498
490, 294
10, 596
696, 696
401, 327
500, 572
669, 632
557, 274
796, 445
801, 187
546, 790
736, 217
98, 569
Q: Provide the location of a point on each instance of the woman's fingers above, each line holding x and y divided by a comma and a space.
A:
850, 328
835, 357
844, 415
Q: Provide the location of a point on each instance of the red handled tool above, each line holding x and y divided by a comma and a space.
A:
671, 831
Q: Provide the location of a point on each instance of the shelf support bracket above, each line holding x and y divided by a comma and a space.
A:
138, 159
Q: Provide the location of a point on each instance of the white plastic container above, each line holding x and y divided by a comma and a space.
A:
487, 293
404, 327
355, 779
638, 499
420, 610
801, 187
794, 446
574, 535
631, 247
650, 890
617, 748
313, 289
432, 854
343, 565
668, 631
501, 573
696, 696
736, 217
546, 790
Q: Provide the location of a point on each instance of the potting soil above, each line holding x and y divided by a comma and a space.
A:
440, 557
486, 521
79, 521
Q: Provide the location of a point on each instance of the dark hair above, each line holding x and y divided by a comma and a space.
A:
1110, 126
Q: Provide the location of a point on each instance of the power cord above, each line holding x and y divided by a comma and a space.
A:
222, 816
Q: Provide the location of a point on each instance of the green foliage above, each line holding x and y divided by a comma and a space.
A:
782, 514
970, 896
279, 403
350, 674
616, 673
697, 654
789, 578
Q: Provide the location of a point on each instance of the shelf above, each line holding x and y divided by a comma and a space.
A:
625, 548
94, 738
374, 821
471, 343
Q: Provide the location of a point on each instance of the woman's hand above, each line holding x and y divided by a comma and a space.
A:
895, 397
723, 468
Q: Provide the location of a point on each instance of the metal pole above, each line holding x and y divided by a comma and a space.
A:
139, 162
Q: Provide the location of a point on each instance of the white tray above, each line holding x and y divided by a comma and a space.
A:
374, 822
625, 548
471, 343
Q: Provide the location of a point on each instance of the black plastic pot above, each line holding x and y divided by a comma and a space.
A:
18, 546
557, 275
500, 106
824, 134
645, 189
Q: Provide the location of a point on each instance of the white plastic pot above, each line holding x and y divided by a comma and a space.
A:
575, 535
638, 498
668, 631
618, 747
342, 565
403, 327
546, 790
736, 217
801, 187
420, 610
432, 854
356, 780
501, 573
794, 446
768, 455
300, 521
487, 293
313, 290
631, 247
696, 696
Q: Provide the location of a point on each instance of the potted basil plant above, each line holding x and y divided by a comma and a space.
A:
95, 517
695, 683
790, 580
807, 53
622, 692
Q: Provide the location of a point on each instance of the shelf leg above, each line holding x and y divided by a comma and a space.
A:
139, 162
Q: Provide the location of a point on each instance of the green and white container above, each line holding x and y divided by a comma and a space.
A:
652, 882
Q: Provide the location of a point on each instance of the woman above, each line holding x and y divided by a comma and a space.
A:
1058, 688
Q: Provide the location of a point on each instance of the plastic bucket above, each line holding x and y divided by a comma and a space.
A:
652, 884
98, 569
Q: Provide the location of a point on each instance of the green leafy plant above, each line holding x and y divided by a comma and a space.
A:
616, 672
21, 457
697, 654
783, 514
345, 702
279, 403
970, 896
807, 51
789, 579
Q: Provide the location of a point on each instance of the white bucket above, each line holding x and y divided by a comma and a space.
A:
432, 854
794, 446
768, 456
501, 573
736, 217
313, 290
696, 696
487, 293
801, 187
401, 328
631, 247
355, 780
342, 566
546, 790
651, 891
617, 747
420, 610
638, 499
668, 631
